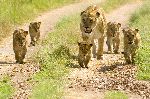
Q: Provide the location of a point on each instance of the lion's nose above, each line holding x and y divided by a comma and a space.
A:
86, 27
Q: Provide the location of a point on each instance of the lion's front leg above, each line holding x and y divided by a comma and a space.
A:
94, 49
109, 44
127, 57
100, 48
116, 45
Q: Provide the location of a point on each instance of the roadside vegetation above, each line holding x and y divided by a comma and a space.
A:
56, 56
140, 19
6, 89
15, 12
109, 5
115, 95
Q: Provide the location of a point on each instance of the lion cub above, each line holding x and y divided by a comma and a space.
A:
132, 41
19, 45
34, 31
84, 53
113, 36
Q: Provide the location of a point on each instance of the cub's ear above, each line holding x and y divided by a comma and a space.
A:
108, 23
137, 30
39, 23
123, 30
91, 45
82, 12
25, 33
119, 24
97, 14
79, 43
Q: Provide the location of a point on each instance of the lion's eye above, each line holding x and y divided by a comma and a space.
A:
83, 20
91, 21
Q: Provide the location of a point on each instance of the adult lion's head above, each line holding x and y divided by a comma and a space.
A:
89, 19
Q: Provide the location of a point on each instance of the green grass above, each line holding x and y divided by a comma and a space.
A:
55, 58
14, 12
140, 19
115, 95
109, 5
6, 89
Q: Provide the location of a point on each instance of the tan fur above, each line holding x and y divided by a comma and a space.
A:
132, 41
93, 26
84, 53
34, 31
19, 45
113, 36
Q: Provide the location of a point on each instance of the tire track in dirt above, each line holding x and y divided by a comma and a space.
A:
20, 74
110, 73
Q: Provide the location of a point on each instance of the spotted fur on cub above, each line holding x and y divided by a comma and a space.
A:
113, 36
132, 41
20, 45
84, 53
34, 31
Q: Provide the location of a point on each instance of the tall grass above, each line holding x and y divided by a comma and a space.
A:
140, 19
112, 4
14, 12
6, 89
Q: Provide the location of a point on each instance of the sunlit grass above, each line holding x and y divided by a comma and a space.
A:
115, 95
140, 19
6, 89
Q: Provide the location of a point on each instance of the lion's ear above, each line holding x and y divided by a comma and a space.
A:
108, 23
39, 23
137, 30
97, 14
82, 12
25, 33
119, 24
123, 30
79, 43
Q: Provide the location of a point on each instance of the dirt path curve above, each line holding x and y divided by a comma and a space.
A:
20, 74
109, 74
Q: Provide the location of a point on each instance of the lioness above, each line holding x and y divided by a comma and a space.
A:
84, 53
93, 26
19, 44
113, 33
34, 31
132, 41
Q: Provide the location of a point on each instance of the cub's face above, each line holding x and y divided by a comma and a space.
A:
84, 48
89, 21
113, 28
36, 25
20, 36
130, 35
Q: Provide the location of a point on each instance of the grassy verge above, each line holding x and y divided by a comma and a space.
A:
109, 5
115, 95
140, 19
14, 12
6, 89
55, 57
